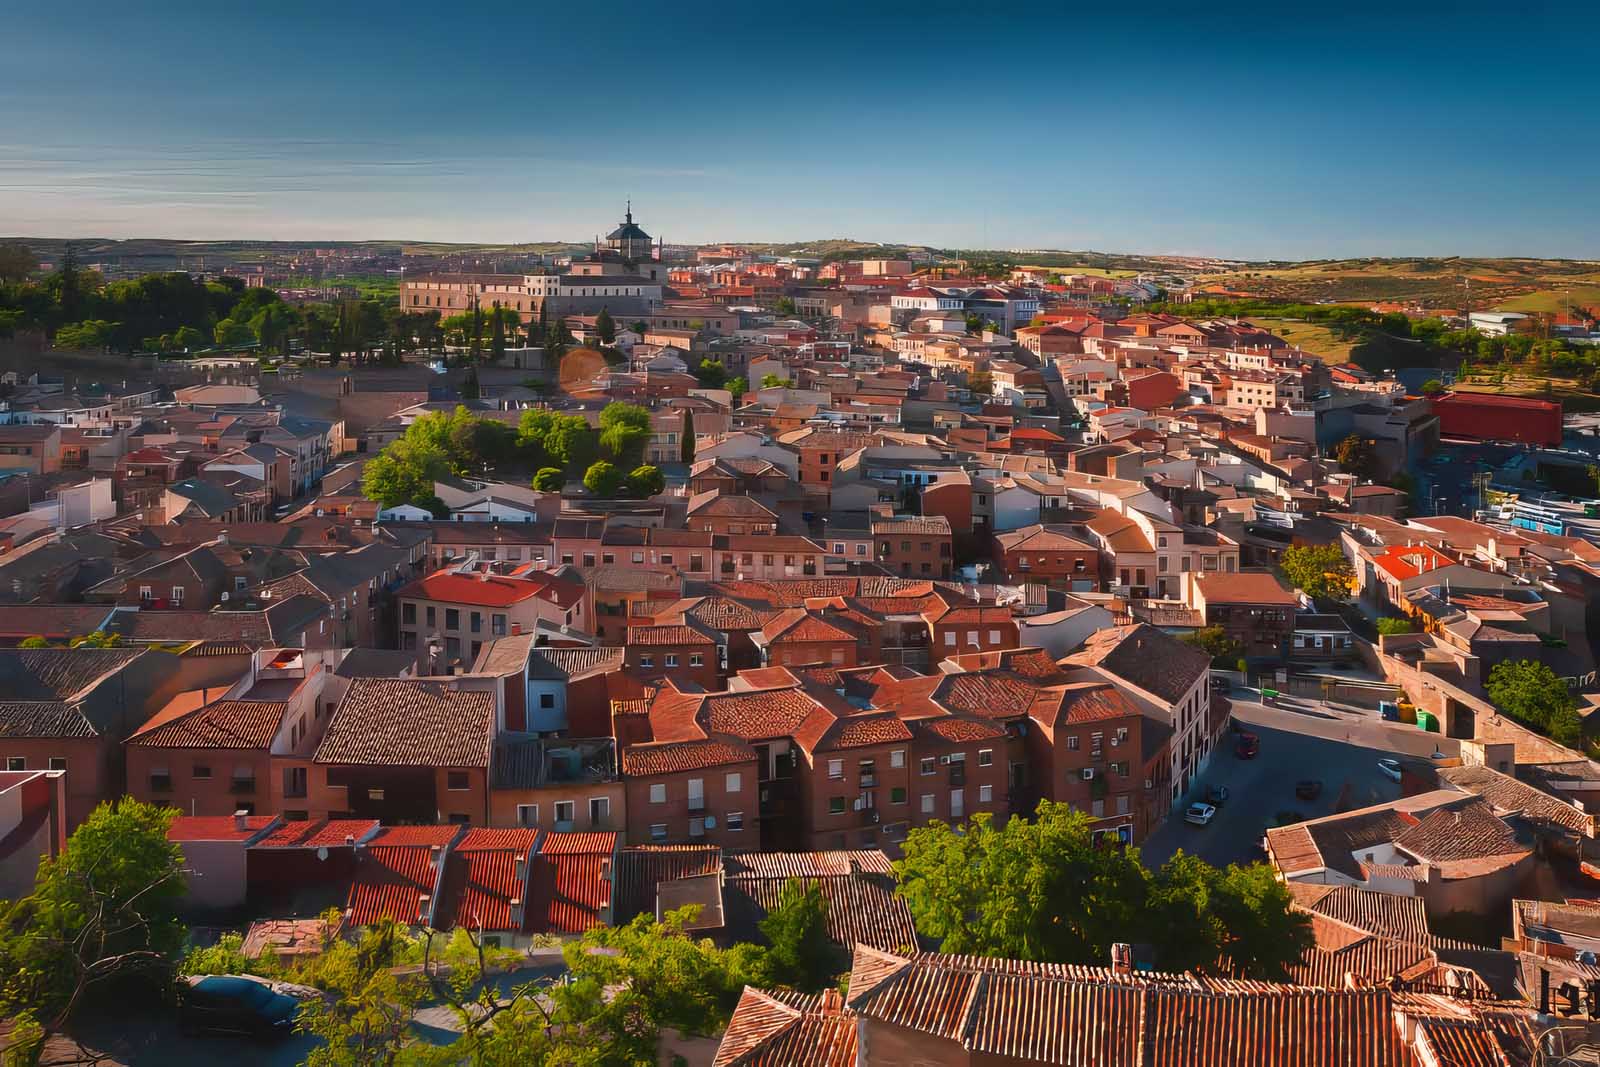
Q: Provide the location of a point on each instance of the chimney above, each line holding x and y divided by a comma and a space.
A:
1122, 958
241, 820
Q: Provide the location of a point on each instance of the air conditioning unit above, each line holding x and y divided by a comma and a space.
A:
1088, 774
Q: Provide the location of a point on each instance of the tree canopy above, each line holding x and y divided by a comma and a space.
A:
1530, 692
1356, 455
602, 479
1320, 571
1045, 890
1215, 642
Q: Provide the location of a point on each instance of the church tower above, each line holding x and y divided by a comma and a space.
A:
629, 240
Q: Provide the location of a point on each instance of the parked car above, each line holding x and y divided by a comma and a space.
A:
1199, 814
1249, 746
1217, 795
1390, 768
1308, 789
236, 1004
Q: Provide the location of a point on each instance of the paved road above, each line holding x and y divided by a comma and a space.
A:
1300, 739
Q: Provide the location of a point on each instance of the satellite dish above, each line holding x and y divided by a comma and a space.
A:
322, 852
711, 822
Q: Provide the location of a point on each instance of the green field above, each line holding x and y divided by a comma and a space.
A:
1555, 300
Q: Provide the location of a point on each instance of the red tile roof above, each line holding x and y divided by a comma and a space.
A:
1407, 561
323, 833
409, 723
674, 757
492, 591
229, 724
788, 1030
218, 827
667, 635
390, 883
1243, 587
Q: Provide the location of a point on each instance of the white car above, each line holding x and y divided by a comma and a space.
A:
1199, 814
1390, 768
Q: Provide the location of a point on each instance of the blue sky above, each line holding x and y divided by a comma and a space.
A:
1246, 131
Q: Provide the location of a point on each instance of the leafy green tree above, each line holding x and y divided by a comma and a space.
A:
34, 642
1393, 625
711, 374
231, 334
645, 481
1320, 571
272, 325
1530, 692
404, 473
624, 432
188, 338
549, 479
1214, 642
497, 334
801, 954
104, 911
602, 479
1357, 456
605, 328
1432, 387
17, 261
91, 333
1045, 891
773, 381
738, 387
96, 639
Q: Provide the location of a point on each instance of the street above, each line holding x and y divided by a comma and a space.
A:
1300, 739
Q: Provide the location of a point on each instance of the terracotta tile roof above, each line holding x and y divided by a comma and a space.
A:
825, 864
1469, 832
573, 664
218, 827
225, 724
995, 695
1243, 587
681, 634
391, 882
1028, 1013
485, 883
757, 716
956, 730
826, 731
322, 833
1386, 914
409, 723
721, 613
800, 626
1408, 561
1507, 794
571, 886
486, 590
1148, 658
641, 868
675, 757
863, 907
788, 1030
1341, 951
932, 525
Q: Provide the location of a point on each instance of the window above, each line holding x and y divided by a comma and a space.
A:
929, 765
452, 618
672, 659
432, 618
146, 593
950, 639
836, 805
177, 594
734, 783
985, 757
1122, 804
927, 803
658, 793
1072, 742
697, 827
658, 831
897, 794
697, 794
588, 559
994, 637
836, 768
735, 821
565, 811
547, 701
16, 763
58, 763
456, 781
696, 659
647, 661
897, 758
202, 773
